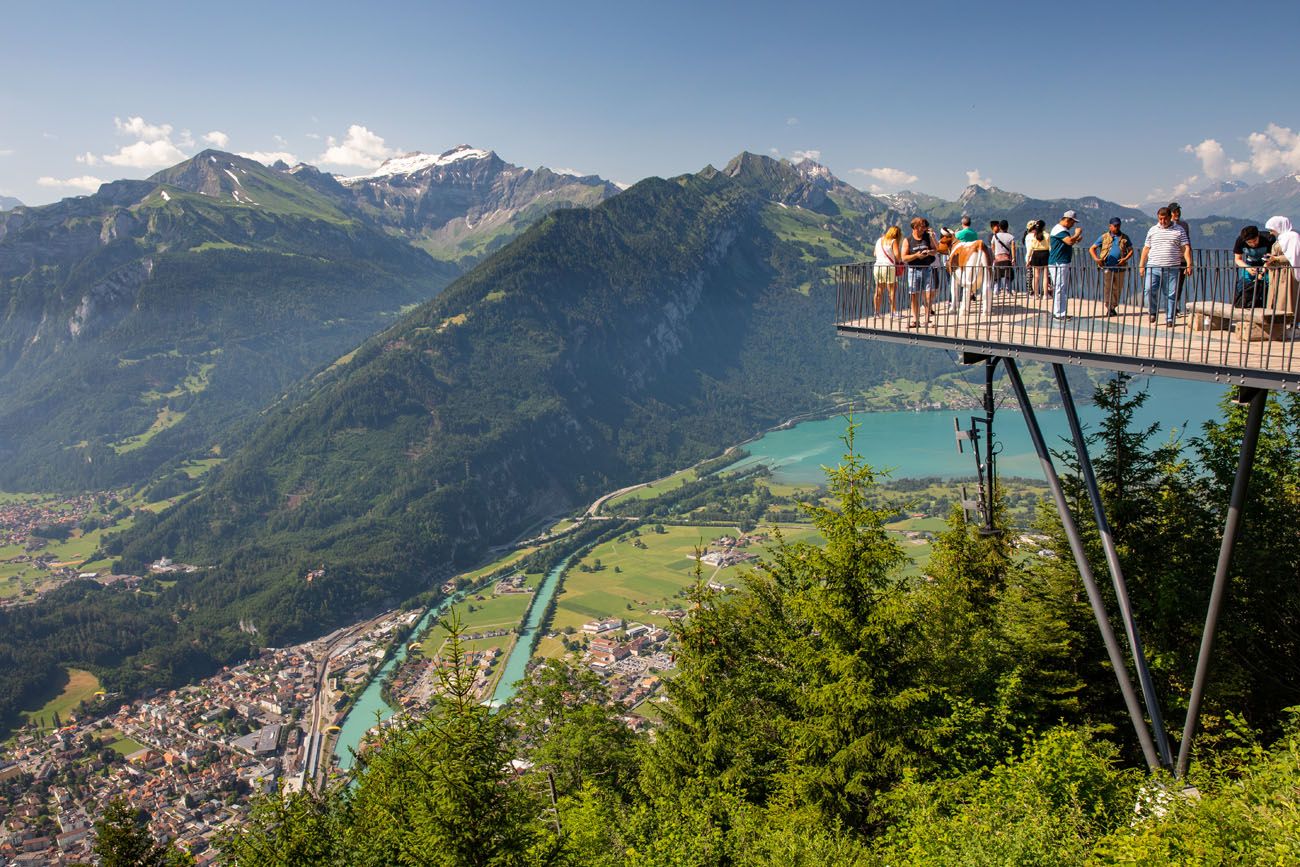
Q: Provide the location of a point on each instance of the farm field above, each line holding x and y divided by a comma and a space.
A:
648, 579
490, 612
81, 685
657, 487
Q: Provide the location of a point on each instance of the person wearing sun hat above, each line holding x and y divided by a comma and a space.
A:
1065, 235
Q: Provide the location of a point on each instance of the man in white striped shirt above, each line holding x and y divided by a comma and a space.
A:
1167, 252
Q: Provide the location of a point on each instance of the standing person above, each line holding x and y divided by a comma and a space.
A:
1167, 252
1251, 253
1002, 246
968, 263
1176, 213
1111, 252
1065, 235
1037, 250
889, 264
1286, 251
919, 249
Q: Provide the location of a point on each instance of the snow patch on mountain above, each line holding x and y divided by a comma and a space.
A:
416, 161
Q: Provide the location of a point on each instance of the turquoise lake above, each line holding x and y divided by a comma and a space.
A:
921, 444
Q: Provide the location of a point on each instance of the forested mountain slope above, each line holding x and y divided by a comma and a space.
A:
137, 325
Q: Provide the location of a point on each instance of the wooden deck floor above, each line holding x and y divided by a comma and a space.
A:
1022, 326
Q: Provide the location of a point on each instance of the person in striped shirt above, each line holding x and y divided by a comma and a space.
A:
1167, 253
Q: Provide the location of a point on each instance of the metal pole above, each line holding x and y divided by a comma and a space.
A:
1116, 574
1249, 440
1085, 571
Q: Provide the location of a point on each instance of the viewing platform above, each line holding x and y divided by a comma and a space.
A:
1211, 339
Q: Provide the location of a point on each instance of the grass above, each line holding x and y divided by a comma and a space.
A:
80, 686
657, 487
201, 466
650, 578
125, 746
191, 384
165, 419
549, 648
513, 557
491, 612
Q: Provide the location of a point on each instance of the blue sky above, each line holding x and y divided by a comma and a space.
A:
1066, 99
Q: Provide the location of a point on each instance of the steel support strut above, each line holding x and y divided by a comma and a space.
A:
1149, 696
1085, 571
1254, 419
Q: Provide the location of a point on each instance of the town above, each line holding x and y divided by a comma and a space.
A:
192, 756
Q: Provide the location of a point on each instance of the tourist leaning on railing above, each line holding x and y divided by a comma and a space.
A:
1166, 252
889, 267
1251, 253
1112, 252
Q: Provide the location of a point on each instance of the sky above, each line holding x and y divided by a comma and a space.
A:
1135, 102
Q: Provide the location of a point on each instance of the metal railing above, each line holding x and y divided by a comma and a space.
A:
1224, 319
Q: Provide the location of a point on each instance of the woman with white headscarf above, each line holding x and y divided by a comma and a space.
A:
1286, 251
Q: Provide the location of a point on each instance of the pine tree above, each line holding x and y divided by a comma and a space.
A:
122, 839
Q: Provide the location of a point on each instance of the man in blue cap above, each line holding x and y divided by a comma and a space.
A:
1111, 252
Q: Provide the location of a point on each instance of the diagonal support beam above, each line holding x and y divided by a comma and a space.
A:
1149, 696
1250, 439
1085, 570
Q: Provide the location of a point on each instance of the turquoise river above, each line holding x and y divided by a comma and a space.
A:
906, 444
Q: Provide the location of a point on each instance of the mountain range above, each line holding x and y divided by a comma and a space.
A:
223, 304
8, 202
143, 324
1252, 202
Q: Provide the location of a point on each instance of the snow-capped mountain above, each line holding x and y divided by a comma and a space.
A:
1244, 201
463, 203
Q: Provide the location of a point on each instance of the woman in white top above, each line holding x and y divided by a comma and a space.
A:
888, 263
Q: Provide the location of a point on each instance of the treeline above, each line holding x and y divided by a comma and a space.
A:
834, 713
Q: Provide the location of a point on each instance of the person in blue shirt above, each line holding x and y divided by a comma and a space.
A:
1065, 235
1111, 252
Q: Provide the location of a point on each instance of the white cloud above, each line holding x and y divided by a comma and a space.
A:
6, 152
1214, 160
800, 156
153, 148
792, 121
887, 176
217, 139
1274, 151
280, 140
360, 147
269, 157
574, 172
146, 155
776, 152
136, 127
313, 136
85, 182
974, 178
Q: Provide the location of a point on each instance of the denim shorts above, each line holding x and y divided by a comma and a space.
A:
920, 279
